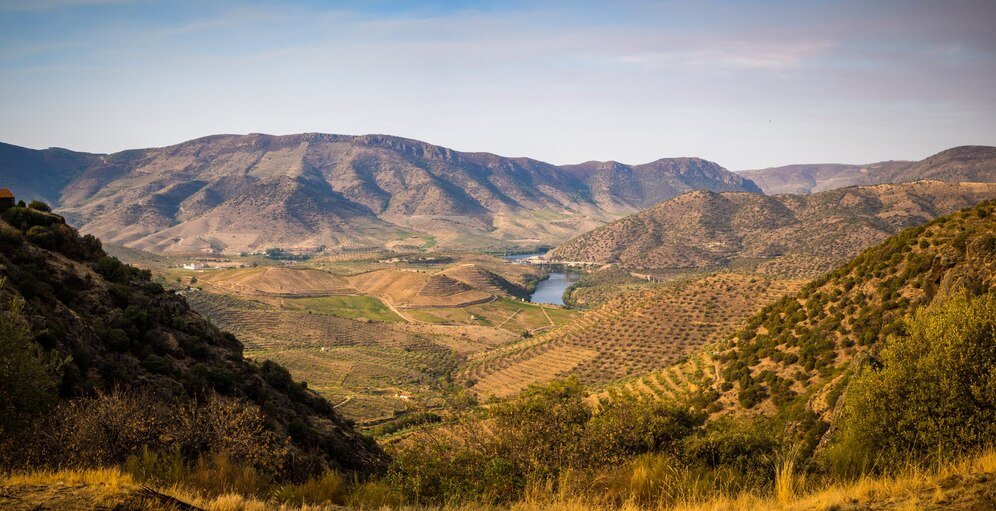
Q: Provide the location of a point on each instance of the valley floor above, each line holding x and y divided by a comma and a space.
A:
966, 485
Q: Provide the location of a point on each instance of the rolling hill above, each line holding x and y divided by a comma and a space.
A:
232, 193
786, 235
964, 163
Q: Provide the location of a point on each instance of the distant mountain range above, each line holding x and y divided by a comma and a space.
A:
231, 193
786, 235
965, 163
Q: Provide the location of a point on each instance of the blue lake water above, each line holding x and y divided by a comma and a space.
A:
550, 290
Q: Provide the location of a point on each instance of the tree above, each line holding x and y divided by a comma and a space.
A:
27, 382
39, 206
935, 394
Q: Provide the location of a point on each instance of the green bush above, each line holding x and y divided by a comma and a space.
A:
27, 376
38, 205
935, 394
627, 427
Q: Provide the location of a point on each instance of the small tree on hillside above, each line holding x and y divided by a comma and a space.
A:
935, 394
27, 384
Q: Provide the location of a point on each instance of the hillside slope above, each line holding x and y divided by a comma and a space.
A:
786, 235
116, 330
239, 193
41, 174
632, 334
958, 164
798, 353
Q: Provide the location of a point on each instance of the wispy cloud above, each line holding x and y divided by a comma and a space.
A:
848, 80
42, 5
744, 55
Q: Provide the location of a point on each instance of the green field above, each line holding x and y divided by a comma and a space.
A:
512, 315
350, 307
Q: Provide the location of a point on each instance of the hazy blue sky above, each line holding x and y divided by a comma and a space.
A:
746, 84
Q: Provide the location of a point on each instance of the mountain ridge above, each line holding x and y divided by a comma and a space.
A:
960, 163
248, 192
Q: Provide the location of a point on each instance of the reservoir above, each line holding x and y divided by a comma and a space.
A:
550, 290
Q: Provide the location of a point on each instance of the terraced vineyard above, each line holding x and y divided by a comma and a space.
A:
678, 381
627, 336
480, 278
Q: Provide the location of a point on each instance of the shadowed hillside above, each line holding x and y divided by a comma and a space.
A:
41, 175
105, 332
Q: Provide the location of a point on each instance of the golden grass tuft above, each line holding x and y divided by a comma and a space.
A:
950, 485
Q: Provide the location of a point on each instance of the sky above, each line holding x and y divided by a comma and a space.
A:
747, 84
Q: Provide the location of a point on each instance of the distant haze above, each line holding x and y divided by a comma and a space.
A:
745, 84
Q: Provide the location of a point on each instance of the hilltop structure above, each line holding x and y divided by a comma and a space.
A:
6, 199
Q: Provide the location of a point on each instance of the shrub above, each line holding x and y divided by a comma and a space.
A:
627, 427
38, 205
10, 238
27, 375
112, 269
112, 428
935, 394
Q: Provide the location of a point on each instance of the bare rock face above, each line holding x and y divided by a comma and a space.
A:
235, 193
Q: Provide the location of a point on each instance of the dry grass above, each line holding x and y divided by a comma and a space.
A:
959, 485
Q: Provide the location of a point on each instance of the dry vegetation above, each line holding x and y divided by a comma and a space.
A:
965, 485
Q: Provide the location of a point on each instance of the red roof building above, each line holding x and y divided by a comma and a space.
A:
6, 199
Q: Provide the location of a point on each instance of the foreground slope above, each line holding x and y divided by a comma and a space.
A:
115, 330
799, 353
965, 485
238, 193
786, 235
